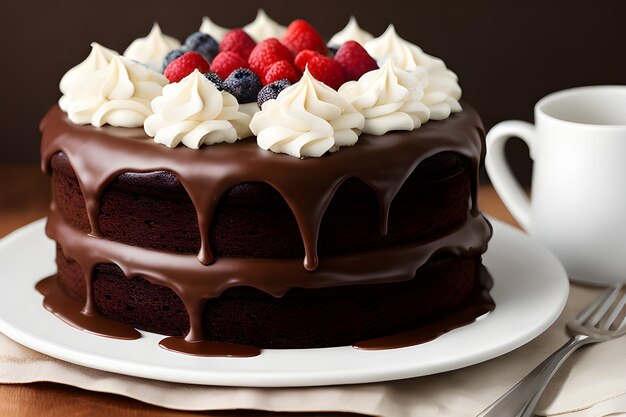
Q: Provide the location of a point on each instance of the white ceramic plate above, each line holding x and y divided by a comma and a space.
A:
530, 291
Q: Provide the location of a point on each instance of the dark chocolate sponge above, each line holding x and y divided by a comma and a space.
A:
302, 318
252, 220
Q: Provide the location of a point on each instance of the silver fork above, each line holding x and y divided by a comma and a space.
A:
600, 321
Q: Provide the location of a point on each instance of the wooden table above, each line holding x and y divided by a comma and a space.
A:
24, 197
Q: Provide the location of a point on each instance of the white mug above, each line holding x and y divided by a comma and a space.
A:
578, 204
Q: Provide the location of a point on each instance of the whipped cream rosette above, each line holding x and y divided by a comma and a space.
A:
118, 94
152, 49
441, 88
209, 27
307, 119
264, 27
352, 32
193, 112
249, 108
389, 99
98, 58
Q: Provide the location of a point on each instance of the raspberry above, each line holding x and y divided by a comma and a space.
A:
354, 60
303, 58
266, 53
300, 35
326, 70
280, 70
184, 65
226, 62
239, 42
271, 91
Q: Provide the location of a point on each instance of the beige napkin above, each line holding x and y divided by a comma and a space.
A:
592, 383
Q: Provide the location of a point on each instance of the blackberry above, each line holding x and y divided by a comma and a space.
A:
244, 84
172, 55
272, 90
202, 43
215, 79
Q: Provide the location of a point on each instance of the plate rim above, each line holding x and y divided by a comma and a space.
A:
276, 378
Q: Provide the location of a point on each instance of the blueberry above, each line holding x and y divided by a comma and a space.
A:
272, 90
244, 84
172, 55
215, 79
204, 44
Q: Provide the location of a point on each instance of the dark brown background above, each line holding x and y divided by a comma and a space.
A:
507, 54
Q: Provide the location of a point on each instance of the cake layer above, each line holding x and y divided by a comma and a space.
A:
153, 211
301, 318
196, 284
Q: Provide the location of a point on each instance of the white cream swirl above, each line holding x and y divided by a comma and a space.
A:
118, 94
352, 32
307, 118
389, 99
263, 27
98, 58
152, 49
441, 87
210, 28
194, 112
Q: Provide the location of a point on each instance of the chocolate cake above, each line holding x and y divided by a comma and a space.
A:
234, 247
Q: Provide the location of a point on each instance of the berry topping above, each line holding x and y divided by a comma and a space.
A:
326, 70
184, 65
300, 35
266, 53
226, 62
303, 58
243, 84
239, 42
280, 70
203, 44
215, 79
271, 91
354, 60
172, 55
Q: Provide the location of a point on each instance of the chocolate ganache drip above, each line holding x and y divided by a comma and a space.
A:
99, 155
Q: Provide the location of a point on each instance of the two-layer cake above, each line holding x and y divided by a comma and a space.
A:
320, 217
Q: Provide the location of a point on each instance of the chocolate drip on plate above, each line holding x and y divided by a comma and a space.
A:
57, 301
477, 305
68, 309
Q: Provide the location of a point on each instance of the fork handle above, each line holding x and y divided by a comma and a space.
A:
525, 395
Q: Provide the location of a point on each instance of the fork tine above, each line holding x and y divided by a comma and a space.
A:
586, 312
604, 307
614, 314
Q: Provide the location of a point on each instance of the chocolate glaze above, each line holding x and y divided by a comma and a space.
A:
58, 301
98, 155
307, 185
477, 305
61, 304
208, 348
194, 283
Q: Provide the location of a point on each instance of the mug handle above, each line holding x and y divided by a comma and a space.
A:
505, 184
